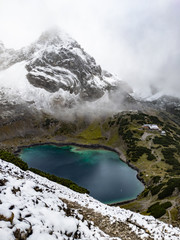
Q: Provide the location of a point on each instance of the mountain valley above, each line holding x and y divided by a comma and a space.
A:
53, 92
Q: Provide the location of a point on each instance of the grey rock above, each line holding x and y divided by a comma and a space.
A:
56, 61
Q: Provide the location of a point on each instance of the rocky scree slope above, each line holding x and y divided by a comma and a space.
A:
32, 207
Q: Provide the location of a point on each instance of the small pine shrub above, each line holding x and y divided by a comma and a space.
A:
9, 157
168, 190
156, 189
65, 182
157, 210
156, 179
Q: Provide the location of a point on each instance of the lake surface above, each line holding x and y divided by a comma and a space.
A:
100, 171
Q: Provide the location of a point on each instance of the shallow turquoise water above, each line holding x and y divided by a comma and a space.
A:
100, 171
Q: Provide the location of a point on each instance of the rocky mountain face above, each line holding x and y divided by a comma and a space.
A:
6, 56
169, 105
168, 102
53, 71
60, 63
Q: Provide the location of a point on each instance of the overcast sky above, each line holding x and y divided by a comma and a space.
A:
139, 40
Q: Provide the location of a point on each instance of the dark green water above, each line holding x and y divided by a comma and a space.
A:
100, 171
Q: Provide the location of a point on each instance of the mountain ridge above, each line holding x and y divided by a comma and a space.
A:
55, 74
57, 58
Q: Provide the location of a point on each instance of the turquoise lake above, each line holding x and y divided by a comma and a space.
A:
100, 171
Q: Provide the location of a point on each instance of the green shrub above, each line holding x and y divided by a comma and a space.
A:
66, 128
150, 156
164, 140
145, 192
9, 157
173, 161
157, 210
166, 205
139, 117
111, 123
135, 152
66, 182
156, 189
155, 120
156, 179
168, 190
142, 118
123, 121
168, 154
166, 193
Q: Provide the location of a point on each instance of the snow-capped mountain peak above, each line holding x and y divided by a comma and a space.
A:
55, 37
53, 67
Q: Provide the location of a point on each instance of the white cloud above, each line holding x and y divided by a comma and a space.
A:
138, 40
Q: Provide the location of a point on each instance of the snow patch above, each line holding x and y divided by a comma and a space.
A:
45, 212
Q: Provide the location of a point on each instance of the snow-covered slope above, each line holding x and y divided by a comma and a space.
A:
53, 71
32, 207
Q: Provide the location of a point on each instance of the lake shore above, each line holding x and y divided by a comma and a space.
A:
90, 146
116, 204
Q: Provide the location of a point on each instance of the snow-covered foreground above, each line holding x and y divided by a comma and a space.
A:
32, 207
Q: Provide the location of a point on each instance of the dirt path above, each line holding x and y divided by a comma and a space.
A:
116, 229
145, 135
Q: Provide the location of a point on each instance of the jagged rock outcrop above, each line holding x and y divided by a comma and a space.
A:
57, 62
52, 74
62, 63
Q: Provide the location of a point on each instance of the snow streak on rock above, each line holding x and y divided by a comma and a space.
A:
53, 71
